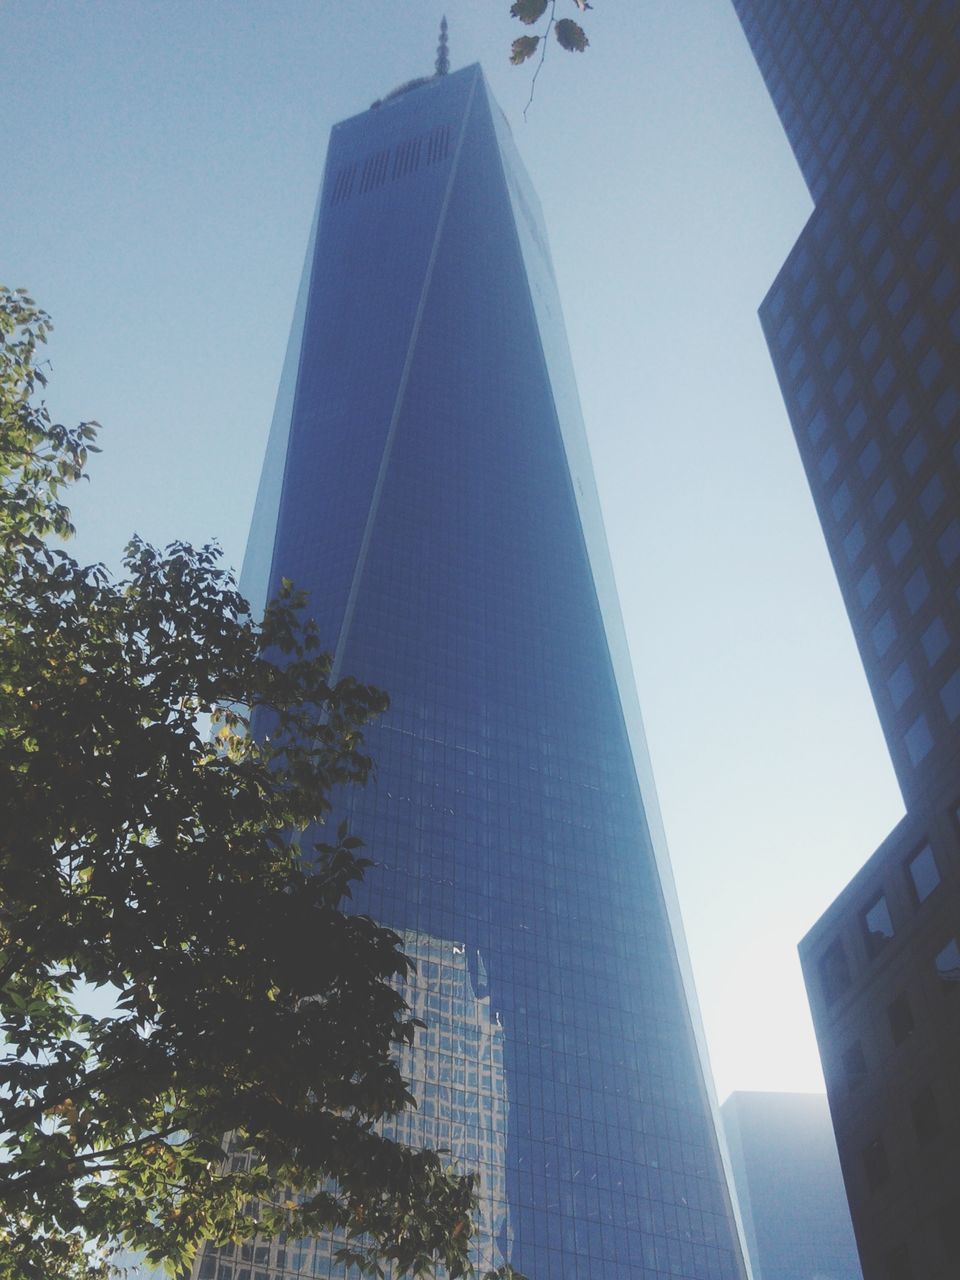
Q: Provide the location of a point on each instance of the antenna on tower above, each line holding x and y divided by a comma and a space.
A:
442, 63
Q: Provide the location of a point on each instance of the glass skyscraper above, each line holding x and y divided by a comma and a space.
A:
427, 481
863, 323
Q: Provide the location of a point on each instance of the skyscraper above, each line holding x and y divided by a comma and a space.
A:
427, 481
863, 324
787, 1177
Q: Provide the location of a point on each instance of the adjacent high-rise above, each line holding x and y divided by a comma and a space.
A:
796, 1223
863, 324
427, 481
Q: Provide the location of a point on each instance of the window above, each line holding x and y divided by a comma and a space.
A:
870, 342
898, 1264
884, 633
884, 499
947, 407
870, 239
899, 542
806, 392
843, 386
934, 641
923, 872
869, 459
883, 377
944, 284
869, 586
854, 1065
948, 544
918, 740
875, 1165
914, 454
916, 589
897, 298
899, 414
855, 420
928, 252
929, 367
947, 964
883, 266
877, 925
840, 502
914, 330
900, 1017
854, 542
950, 696
948, 1219
912, 221
900, 685
817, 426
834, 972
931, 497
925, 1115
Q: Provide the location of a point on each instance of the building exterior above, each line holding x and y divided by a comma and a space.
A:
788, 1183
427, 481
863, 323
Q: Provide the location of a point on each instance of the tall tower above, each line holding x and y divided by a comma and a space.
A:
427, 481
863, 324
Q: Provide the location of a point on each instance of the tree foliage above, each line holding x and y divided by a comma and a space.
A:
181, 874
569, 34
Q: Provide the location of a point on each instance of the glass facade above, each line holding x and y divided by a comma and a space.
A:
428, 483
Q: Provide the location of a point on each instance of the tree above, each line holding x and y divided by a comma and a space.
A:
183, 875
569, 34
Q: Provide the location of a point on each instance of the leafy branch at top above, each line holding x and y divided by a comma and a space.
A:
569, 34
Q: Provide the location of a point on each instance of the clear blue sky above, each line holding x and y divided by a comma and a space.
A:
161, 162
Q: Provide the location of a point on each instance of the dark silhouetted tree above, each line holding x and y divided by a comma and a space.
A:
168, 866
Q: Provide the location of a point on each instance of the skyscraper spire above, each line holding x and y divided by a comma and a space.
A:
442, 63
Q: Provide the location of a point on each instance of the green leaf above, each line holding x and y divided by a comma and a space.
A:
528, 11
571, 35
523, 47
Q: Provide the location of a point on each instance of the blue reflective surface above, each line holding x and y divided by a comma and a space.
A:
428, 507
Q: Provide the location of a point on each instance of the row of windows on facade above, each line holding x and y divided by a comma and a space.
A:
884, 366
919, 735
877, 930
390, 164
836, 227
827, 87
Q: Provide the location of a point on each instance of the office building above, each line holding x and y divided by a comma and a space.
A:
787, 1178
427, 481
863, 323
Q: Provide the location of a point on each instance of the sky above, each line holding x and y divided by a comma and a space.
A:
161, 165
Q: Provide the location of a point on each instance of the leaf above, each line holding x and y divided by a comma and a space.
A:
571, 36
528, 11
523, 48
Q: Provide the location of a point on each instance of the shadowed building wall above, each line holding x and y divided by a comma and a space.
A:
863, 324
